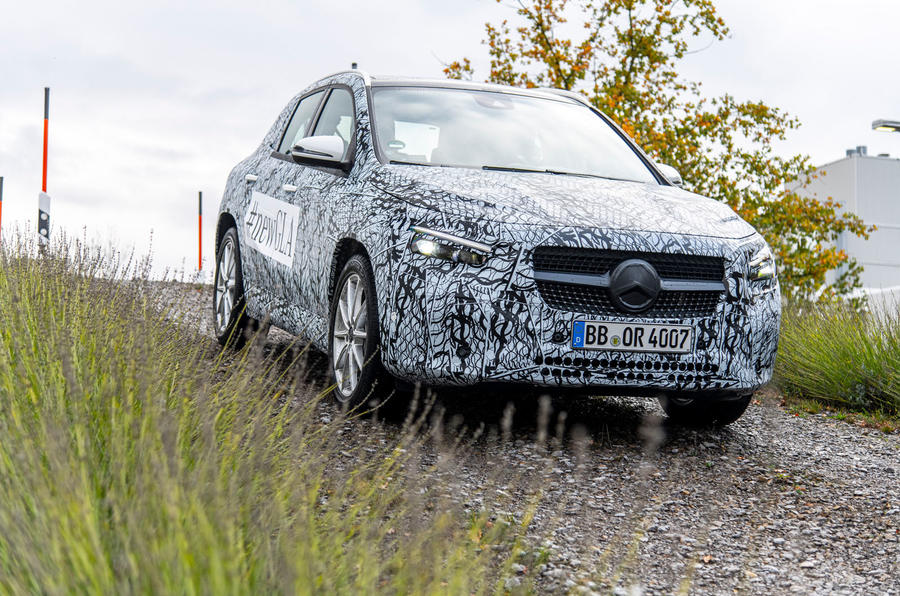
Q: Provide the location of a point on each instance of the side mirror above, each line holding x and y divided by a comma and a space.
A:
671, 174
320, 151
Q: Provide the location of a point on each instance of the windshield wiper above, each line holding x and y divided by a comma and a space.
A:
557, 172
536, 171
411, 163
512, 169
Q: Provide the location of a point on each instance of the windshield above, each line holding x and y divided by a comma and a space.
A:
490, 130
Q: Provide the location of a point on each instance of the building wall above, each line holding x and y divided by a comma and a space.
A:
868, 186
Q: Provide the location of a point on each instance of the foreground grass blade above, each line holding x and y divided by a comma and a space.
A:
135, 457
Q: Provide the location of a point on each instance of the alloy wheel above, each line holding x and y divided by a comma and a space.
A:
350, 335
225, 282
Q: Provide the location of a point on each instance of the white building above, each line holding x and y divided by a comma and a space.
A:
868, 186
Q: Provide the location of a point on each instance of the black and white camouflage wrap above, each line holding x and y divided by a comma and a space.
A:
445, 323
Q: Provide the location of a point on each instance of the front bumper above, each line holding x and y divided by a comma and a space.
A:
452, 324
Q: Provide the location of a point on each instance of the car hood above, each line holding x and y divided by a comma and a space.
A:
560, 200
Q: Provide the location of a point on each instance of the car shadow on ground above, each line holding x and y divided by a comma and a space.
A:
528, 414
517, 411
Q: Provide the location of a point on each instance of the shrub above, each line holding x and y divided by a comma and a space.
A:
841, 356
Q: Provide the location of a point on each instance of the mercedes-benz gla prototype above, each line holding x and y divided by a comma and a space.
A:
456, 233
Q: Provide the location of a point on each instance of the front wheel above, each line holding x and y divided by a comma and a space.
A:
355, 336
705, 410
232, 325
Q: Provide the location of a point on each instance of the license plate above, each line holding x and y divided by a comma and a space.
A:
632, 337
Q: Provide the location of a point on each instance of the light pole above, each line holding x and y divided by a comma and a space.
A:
883, 125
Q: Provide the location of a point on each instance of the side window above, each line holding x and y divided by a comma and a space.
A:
337, 117
304, 113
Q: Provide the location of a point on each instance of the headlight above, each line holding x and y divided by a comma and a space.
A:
447, 247
762, 265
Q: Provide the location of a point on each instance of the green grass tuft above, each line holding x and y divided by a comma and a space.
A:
840, 357
137, 458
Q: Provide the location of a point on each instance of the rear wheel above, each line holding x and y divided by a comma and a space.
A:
355, 337
231, 323
688, 410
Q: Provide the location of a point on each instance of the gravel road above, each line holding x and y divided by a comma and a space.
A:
773, 504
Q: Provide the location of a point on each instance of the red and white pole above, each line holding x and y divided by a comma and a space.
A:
46, 136
200, 231
1, 201
44, 198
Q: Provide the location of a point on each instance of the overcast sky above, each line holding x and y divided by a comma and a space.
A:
153, 101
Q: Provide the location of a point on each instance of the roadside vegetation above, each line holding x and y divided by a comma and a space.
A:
842, 358
136, 457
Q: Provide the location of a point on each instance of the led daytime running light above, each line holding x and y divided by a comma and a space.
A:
454, 249
762, 265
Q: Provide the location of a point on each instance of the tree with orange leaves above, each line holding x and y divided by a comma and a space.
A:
626, 63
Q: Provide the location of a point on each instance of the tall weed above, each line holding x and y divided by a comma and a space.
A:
136, 457
841, 356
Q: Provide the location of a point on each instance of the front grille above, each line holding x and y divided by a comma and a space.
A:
595, 300
565, 259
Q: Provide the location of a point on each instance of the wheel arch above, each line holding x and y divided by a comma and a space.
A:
226, 221
343, 251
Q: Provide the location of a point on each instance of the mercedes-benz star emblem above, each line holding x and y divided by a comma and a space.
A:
633, 285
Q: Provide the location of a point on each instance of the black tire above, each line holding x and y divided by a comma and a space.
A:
373, 384
237, 328
706, 410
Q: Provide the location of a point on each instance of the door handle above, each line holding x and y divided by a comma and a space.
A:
289, 188
251, 177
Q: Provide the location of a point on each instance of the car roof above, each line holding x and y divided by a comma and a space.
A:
407, 81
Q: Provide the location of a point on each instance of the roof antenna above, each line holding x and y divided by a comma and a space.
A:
353, 65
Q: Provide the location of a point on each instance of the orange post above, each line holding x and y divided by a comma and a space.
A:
1, 201
200, 231
43, 197
46, 136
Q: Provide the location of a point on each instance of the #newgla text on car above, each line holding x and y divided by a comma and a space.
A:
456, 233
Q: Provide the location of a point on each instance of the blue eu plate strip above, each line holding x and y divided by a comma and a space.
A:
578, 334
